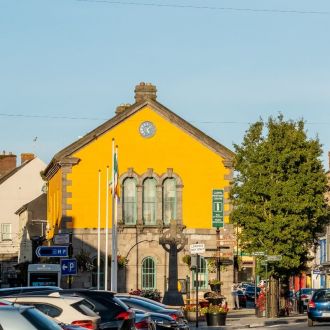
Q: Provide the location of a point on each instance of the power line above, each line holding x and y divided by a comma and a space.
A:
49, 117
232, 9
104, 119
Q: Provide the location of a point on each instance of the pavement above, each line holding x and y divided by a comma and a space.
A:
246, 318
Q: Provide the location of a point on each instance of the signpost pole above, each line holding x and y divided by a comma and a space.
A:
197, 257
70, 256
218, 253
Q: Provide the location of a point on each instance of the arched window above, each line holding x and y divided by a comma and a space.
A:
148, 273
149, 201
129, 201
169, 200
94, 273
202, 274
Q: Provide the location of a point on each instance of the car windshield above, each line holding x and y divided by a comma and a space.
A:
39, 320
322, 295
141, 304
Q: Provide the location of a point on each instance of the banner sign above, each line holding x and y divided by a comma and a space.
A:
217, 208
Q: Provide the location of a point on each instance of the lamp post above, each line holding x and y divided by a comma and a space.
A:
129, 251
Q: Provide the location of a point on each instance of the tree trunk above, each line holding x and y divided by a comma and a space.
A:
273, 297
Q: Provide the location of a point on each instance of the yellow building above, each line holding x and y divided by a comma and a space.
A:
168, 170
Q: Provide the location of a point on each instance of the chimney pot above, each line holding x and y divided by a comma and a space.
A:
121, 108
26, 156
145, 91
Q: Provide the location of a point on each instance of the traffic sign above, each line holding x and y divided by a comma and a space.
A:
61, 239
217, 208
197, 248
226, 261
52, 251
68, 267
274, 258
258, 253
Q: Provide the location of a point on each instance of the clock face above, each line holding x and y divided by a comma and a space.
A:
147, 129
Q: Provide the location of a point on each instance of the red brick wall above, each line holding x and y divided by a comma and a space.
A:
7, 163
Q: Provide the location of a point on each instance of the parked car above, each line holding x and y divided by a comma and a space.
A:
318, 308
243, 285
241, 298
113, 312
148, 305
26, 289
68, 310
25, 317
161, 321
143, 321
250, 292
306, 295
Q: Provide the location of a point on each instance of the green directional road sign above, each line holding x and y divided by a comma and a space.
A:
258, 253
274, 258
217, 208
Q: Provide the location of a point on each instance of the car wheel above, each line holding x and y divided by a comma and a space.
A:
310, 322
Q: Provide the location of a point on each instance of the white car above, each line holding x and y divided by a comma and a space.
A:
64, 309
24, 317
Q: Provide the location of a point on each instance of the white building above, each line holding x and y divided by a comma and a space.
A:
18, 186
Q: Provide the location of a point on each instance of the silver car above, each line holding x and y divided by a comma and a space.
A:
24, 317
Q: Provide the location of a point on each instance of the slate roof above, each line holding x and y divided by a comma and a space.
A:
226, 153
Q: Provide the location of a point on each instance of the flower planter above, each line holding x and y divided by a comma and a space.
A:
215, 287
215, 319
191, 316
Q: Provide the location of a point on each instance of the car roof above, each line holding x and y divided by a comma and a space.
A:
20, 288
41, 298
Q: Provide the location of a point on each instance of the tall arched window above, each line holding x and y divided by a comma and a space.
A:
129, 201
148, 273
169, 200
149, 201
202, 274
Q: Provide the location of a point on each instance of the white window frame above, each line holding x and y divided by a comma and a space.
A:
6, 235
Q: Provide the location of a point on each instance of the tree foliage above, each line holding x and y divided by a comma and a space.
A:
278, 192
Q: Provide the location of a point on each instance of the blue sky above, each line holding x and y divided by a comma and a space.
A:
219, 69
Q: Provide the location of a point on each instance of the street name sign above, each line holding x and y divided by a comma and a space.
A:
52, 251
61, 239
68, 267
197, 248
217, 208
274, 258
258, 253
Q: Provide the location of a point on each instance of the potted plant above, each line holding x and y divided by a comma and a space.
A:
190, 312
215, 285
215, 315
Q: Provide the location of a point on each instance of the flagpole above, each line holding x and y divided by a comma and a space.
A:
112, 221
99, 232
115, 230
106, 232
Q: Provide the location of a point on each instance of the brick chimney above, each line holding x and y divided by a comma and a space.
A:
26, 156
145, 91
7, 163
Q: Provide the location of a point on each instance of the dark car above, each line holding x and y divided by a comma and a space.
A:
250, 293
241, 298
319, 307
161, 321
149, 305
143, 321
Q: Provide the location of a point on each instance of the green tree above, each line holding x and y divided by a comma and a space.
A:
278, 192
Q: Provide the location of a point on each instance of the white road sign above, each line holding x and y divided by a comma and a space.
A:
197, 248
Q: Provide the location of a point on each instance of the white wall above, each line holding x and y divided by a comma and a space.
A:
22, 187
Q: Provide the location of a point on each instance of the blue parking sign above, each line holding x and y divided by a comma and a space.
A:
68, 267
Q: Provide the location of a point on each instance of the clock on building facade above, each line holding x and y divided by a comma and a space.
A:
147, 129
